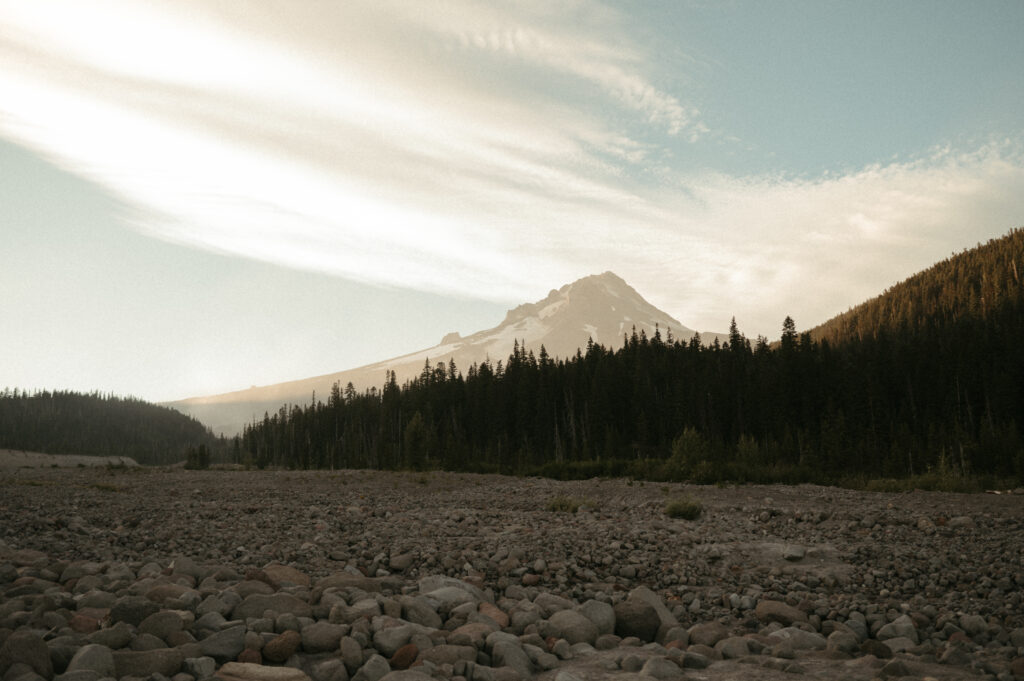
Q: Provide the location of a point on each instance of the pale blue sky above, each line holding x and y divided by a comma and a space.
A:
197, 196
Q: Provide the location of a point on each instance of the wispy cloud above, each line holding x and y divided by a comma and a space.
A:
478, 150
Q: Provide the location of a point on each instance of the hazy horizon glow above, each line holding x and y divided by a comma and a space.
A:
491, 152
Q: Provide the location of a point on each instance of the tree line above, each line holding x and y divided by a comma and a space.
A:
929, 377
95, 424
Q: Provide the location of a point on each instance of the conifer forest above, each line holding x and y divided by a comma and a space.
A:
927, 377
94, 424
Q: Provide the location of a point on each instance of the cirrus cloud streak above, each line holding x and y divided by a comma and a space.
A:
478, 151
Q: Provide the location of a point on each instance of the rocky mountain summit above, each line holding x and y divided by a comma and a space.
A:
601, 307
332, 576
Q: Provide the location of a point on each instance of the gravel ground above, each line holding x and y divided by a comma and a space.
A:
474, 578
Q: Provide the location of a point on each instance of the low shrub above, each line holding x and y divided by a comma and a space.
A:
564, 504
683, 507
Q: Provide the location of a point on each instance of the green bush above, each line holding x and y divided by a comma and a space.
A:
683, 507
564, 504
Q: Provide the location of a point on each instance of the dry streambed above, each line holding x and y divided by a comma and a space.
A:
146, 573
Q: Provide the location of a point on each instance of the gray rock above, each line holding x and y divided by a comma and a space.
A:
955, 656
93, 657
256, 604
331, 669
322, 637
733, 647
211, 621
390, 639
859, 628
364, 608
799, 639
132, 610
902, 626
899, 644
245, 671
677, 634
843, 642
199, 667
401, 562
525, 614
434, 582
876, 648
419, 610
375, 668
636, 618
794, 553
540, 659
601, 614
351, 653
449, 597
29, 649
573, 626
215, 603
707, 633
695, 660
549, 604
894, 669
162, 624
449, 654
661, 668
224, 646
508, 654
973, 625
167, 661
666, 618
97, 599
147, 642
183, 565
777, 611
117, 636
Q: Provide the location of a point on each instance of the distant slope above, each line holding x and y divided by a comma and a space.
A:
65, 422
973, 284
600, 307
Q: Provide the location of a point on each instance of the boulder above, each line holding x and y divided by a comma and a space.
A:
573, 626
244, 671
636, 618
29, 649
777, 611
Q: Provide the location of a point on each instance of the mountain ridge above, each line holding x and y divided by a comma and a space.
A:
599, 307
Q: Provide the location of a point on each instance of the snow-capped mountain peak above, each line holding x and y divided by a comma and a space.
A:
600, 307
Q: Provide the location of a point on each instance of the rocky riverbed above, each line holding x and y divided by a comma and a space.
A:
331, 576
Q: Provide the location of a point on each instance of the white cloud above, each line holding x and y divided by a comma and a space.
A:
425, 146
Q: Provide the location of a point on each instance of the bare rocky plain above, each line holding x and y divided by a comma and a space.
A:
142, 573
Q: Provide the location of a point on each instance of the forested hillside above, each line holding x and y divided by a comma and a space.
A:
928, 377
974, 284
65, 422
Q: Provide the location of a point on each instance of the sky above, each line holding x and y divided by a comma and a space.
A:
197, 196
